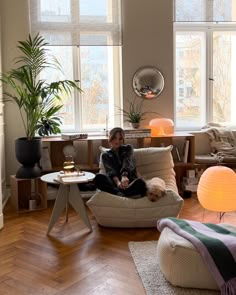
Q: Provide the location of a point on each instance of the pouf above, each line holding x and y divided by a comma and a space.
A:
181, 263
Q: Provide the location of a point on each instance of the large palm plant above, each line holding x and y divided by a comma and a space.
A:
38, 100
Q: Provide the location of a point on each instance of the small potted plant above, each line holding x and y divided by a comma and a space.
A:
134, 115
38, 100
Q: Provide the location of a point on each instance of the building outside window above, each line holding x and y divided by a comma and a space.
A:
205, 58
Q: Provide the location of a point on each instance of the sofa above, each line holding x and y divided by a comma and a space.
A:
208, 146
115, 211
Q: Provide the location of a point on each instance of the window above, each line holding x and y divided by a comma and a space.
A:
85, 35
205, 58
97, 68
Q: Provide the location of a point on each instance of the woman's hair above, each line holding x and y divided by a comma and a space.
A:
114, 132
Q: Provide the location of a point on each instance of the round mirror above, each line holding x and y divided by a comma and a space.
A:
148, 82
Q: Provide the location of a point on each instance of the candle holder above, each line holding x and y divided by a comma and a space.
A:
68, 165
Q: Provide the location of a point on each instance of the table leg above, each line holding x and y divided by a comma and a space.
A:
77, 203
67, 207
60, 203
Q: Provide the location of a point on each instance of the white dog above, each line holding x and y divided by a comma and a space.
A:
156, 188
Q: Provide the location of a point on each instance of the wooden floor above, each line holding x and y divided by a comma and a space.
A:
72, 261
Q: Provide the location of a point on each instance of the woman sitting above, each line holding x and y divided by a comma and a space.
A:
121, 175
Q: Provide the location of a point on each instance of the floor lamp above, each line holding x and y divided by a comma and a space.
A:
217, 189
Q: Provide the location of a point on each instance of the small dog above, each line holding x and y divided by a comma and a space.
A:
156, 188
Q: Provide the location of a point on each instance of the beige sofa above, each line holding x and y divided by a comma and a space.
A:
114, 211
204, 152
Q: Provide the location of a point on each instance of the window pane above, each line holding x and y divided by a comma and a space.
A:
55, 11
189, 10
93, 8
224, 73
205, 11
96, 81
224, 10
64, 55
190, 79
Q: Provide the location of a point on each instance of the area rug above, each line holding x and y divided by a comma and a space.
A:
147, 265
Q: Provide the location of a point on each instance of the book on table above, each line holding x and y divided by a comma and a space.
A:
74, 177
71, 136
137, 133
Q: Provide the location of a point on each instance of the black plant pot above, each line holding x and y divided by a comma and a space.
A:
28, 153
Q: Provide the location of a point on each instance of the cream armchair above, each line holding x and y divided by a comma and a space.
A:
114, 211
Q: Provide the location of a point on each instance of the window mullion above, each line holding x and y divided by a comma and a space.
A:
77, 95
209, 10
209, 76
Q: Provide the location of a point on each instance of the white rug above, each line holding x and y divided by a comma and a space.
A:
146, 261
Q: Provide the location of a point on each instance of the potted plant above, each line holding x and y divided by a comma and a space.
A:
38, 100
134, 115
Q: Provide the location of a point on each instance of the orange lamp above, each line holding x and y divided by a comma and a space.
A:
217, 189
161, 126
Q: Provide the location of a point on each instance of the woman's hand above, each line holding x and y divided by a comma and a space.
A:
124, 182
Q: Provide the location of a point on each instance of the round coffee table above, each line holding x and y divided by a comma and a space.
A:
68, 193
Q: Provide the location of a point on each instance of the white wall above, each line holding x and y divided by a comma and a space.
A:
148, 40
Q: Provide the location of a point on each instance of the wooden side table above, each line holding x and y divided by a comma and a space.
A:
23, 190
68, 194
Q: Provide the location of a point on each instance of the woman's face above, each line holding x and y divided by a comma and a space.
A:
117, 141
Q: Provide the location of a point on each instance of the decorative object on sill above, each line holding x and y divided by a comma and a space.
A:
161, 126
135, 114
134, 125
148, 82
216, 189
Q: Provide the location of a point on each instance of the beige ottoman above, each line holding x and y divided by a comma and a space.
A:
181, 263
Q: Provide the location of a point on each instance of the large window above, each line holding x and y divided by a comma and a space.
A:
205, 62
97, 68
86, 38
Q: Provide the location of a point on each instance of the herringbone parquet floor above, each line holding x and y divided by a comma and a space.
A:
72, 261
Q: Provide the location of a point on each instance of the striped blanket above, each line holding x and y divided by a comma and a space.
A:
216, 244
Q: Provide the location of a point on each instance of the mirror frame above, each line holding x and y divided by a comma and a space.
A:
148, 82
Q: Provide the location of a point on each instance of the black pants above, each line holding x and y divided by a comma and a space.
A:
136, 189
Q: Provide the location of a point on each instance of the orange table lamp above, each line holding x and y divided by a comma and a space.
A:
161, 126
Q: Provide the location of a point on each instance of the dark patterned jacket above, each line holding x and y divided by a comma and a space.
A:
121, 162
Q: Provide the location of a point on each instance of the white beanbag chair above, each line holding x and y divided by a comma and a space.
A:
114, 211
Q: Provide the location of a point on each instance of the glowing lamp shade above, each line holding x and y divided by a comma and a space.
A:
161, 126
217, 189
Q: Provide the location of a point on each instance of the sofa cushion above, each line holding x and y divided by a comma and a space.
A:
115, 211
